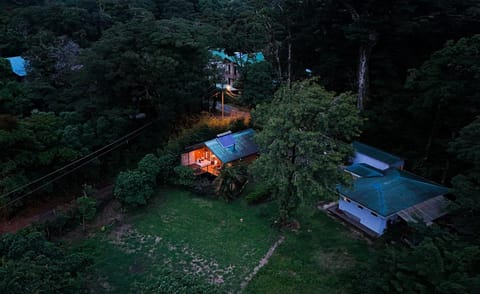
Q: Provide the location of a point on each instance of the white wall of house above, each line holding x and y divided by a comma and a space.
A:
362, 158
363, 215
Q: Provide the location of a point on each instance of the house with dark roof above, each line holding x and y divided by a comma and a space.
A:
225, 150
382, 193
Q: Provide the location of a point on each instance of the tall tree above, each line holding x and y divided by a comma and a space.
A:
304, 137
439, 263
466, 185
446, 98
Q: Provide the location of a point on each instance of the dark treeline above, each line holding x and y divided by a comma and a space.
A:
98, 69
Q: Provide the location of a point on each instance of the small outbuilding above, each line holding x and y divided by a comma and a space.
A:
225, 150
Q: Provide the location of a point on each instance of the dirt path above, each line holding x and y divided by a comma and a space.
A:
42, 212
261, 263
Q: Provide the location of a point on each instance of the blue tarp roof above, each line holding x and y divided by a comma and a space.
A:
240, 58
243, 147
364, 170
375, 153
394, 192
18, 65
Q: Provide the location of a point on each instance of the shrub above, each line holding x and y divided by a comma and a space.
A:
229, 184
87, 207
184, 176
133, 188
31, 264
171, 282
59, 225
167, 162
150, 165
260, 194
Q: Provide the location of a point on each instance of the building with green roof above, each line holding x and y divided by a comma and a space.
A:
228, 66
226, 149
383, 193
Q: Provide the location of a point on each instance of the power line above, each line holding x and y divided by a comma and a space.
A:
76, 161
65, 174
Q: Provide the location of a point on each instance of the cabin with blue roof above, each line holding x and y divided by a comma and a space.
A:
382, 193
225, 150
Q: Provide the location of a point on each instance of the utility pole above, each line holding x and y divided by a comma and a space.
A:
223, 104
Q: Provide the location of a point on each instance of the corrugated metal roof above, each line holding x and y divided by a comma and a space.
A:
427, 211
394, 192
364, 170
243, 147
375, 153
18, 64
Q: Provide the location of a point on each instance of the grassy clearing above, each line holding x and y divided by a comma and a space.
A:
221, 243
212, 240
317, 259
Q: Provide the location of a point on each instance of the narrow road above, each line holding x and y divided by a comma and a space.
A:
48, 211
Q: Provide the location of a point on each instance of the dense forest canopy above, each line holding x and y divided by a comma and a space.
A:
100, 69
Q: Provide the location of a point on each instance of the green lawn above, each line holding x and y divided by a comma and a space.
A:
221, 243
317, 259
213, 240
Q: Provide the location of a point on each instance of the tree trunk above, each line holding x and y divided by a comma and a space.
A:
289, 59
289, 62
279, 64
363, 67
364, 56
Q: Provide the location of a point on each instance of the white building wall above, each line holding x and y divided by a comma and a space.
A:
362, 158
377, 223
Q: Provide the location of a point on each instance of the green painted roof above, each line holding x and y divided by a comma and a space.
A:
244, 146
395, 191
375, 153
239, 58
364, 170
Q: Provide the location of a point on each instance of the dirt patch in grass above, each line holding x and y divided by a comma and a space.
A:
109, 216
262, 262
174, 256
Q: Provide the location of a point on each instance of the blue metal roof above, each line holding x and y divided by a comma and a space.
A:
394, 192
364, 170
375, 153
18, 65
240, 58
243, 146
